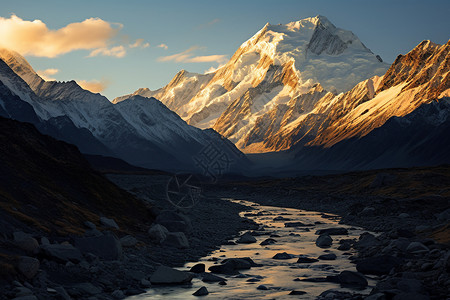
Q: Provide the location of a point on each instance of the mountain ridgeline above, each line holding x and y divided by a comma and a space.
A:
302, 96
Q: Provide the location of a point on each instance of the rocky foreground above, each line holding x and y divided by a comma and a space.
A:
408, 208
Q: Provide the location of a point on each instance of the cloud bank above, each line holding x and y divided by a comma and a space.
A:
94, 86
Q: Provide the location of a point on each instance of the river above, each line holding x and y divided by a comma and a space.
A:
279, 276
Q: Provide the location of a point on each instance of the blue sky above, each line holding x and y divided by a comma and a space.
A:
212, 30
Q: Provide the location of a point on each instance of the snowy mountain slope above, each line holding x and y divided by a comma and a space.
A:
276, 65
141, 131
416, 78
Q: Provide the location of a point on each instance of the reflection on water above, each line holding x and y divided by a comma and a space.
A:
277, 275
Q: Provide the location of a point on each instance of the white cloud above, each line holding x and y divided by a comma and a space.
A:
117, 51
45, 74
213, 69
164, 46
94, 86
139, 43
187, 56
35, 38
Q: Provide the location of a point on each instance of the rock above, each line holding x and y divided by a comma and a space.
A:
297, 224
87, 288
443, 216
28, 297
198, 268
283, 255
118, 294
366, 240
26, 242
174, 222
417, 248
22, 291
62, 293
377, 296
45, 241
246, 238
176, 239
410, 296
158, 233
128, 241
403, 215
135, 275
231, 266
145, 283
411, 286
377, 265
344, 247
324, 241
368, 211
329, 256
90, 225
262, 287
352, 279
297, 293
108, 223
222, 283
134, 291
107, 246
208, 277
333, 231
268, 241
167, 275
203, 291
62, 253
306, 260
242, 262
28, 266
92, 232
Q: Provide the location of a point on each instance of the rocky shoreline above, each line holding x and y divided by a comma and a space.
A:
106, 264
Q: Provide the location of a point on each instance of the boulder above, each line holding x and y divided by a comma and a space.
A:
208, 277
203, 291
328, 256
297, 293
344, 247
297, 224
324, 241
368, 211
283, 255
243, 265
158, 233
262, 287
268, 241
167, 275
128, 241
333, 231
90, 225
366, 240
352, 279
176, 239
28, 266
246, 238
174, 222
62, 253
87, 288
26, 242
109, 223
377, 265
417, 248
198, 268
107, 246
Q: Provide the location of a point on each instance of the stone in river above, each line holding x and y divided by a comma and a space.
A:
246, 238
333, 231
283, 255
324, 241
268, 242
198, 268
352, 279
306, 260
378, 265
167, 275
297, 293
329, 256
262, 287
297, 224
203, 291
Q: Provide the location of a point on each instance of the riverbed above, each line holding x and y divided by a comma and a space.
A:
279, 277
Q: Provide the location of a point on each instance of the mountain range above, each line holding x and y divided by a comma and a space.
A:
301, 96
